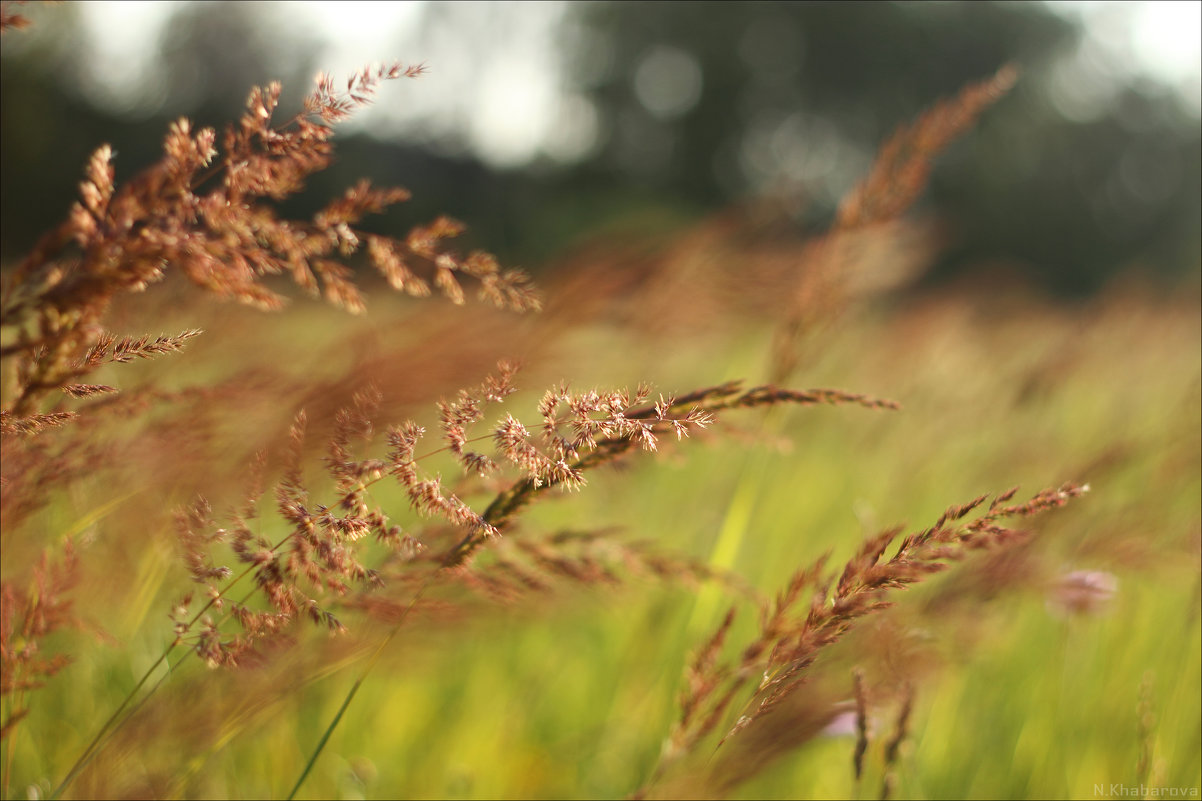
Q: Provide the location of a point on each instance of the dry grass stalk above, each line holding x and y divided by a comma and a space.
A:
897, 179
224, 240
27, 616
529, 565
122, 238
579, 431
813, 612
901, 728
861, 701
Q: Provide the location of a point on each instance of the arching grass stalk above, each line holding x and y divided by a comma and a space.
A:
350, 696
110, 725
38, 596
735, 521
691, 410
125, 711
497, 513
120, 715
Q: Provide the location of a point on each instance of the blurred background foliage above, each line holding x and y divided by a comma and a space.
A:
659, 113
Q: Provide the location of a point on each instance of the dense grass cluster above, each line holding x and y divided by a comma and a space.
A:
481, 628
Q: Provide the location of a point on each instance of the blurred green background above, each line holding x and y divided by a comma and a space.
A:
570, 693
539, 123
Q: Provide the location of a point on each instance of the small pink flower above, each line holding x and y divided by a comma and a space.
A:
845, 722
842, 725
1081, 592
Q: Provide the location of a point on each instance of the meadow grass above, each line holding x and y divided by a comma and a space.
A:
570, 694
482, 633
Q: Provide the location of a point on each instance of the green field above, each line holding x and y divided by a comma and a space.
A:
570, 691
532, 584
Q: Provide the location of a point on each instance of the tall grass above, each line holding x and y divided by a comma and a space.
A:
170, 532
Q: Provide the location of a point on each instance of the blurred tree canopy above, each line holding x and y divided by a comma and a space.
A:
696, 106
805, 91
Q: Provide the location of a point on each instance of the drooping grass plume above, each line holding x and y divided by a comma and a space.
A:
814, 610
205, 210
898, 177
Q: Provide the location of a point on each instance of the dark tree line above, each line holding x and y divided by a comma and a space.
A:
699, 105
